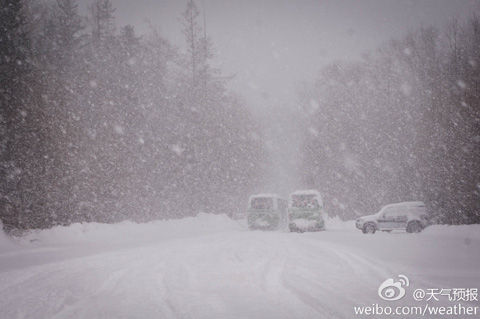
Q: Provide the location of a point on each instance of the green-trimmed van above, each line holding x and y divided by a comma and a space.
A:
266, 212
305, 211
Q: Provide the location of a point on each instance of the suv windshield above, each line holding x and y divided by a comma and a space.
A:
262, 203
304, 201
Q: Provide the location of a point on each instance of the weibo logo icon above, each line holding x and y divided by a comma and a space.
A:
392, 290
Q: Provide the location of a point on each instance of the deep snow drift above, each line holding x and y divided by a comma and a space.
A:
5, 242
127, 231
210, 266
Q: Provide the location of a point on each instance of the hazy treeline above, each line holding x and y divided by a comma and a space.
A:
98, 124
401, 124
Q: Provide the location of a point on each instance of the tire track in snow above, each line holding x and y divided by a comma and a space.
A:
329, 277
236, 274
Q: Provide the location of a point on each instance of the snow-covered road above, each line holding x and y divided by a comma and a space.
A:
211, 267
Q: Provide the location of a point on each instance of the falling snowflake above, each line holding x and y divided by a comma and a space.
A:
177, 149
313, 131
351, 163
406, 89
313, 105
118, 129
462, 84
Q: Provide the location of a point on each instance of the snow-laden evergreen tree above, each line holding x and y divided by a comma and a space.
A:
400, 125
22, 139
99, 124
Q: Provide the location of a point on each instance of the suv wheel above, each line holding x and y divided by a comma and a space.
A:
369, 228
414, 227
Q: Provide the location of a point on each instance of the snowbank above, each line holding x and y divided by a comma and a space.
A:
203, 223
464, 232
130, 231
5, 242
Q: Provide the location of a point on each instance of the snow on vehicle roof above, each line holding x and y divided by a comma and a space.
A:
306, 192
413, 203
264, 195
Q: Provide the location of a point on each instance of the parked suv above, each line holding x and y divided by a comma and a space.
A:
409, 216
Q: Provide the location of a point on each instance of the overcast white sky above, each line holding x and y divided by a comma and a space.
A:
272, 44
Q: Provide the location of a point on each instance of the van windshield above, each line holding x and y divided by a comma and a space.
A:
262, 203
304, 201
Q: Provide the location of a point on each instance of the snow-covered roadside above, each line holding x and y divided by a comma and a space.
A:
463, 232
203, 223
80, 240
6, 243
127, 231
124, 232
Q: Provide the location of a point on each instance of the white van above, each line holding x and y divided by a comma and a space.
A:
266, 212
305, 211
